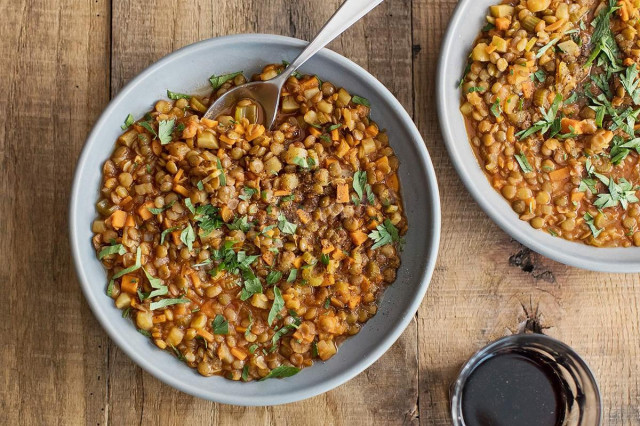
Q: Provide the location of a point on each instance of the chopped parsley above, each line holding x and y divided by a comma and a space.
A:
277, 306
219, 325
221, 177
164, 233
539, 75
273, 277
523, 162
247, 193
218, 80
362, 188
240, 223
589, 220
285, 226
127, 122
188, 236
161, 209
116, 248
384, 234
208, 218
359, 100
621, 193
163, 303
175, 95
293, 274
189, 205
281, 372
496, 109
549, 121
324, 259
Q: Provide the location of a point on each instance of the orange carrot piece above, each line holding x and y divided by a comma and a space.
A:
358, 237
178, 176
335, 135
502, 24
342, 193
577, 196
327, 247
281, 193
118, 219
309, 84
176, 237
315, 132
329, 161
130, 221
393, 183
143, 210
373, 224
297, 262
560, 174
159, 318
567, 123
205, 335
343, 148
226, 139
181, 190
238, 354
126, 200
195, 279
208, 308
129, 284
372, 130
338, 255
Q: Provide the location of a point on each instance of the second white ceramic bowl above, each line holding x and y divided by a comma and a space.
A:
187, 70
467, 21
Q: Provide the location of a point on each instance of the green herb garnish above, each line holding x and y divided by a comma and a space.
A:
218, 80
220, 325
175, 95
384, 234
117, 248
281, 372
127, 122
277, 306
359, 100
167, 302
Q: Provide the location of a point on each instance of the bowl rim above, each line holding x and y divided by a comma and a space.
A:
600, 259
422, 282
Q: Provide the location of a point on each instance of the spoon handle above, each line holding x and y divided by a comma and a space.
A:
348, 14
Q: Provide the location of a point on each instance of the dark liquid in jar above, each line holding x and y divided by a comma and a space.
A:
514, 389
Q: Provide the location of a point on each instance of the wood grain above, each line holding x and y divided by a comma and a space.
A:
63, 60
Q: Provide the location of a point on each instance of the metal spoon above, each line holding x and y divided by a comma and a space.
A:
267, 93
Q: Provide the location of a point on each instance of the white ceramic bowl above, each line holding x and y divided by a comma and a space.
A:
465, 25
187, 70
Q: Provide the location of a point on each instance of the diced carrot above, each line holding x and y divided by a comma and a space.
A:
358, 237
527, 89
373, 224
281, 193
315, 132
209, 308
327, 247
329, 280
304, 216
156, 147
342, 193
238, 354
126, 200
227, 140
181, 190
567, 123
179, 309
209, 123
178, 176
297, 262
365, 285
393, 183
371, 130
157, 319
382, 164
130, 221
309, 84
176, 237
329, 161
552, 27
354, 301
118, 219
343, 148
129, 284
195, 279
502, 24
143, 210
338, 255
577, 196
205, 335
560, 174
267, 256
335, 135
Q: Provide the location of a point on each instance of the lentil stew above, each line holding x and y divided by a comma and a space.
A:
551, 97
246, 252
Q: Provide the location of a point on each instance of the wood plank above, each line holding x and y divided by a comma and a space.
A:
56, 84
484, 280
387, 393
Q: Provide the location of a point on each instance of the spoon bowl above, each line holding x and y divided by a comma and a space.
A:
267, 93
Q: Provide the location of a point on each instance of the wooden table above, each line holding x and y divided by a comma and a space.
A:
62, 61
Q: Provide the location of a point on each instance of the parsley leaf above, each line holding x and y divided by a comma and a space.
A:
175, 95
360, 100
189, 204
116, 248
384, 234
539, 75
164, 233
165, 129
149, 127
163, 303
127, 122
281, 372
241, 224
293, 274
278, 305
248, 193
208, 218
187, 236
621, 193
285, 226
221, 177
273, 277
218, 80
220, 325
589, 220
548, 121
161, 209
523, 162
